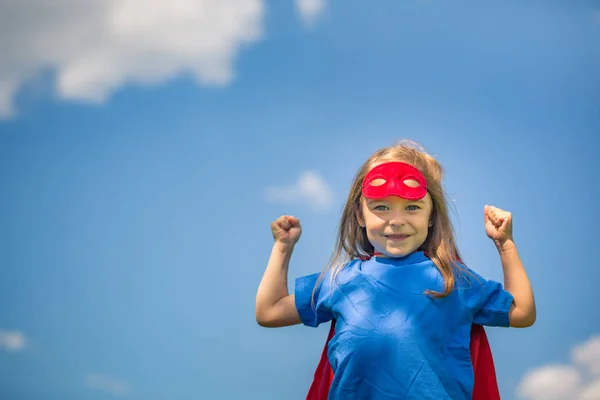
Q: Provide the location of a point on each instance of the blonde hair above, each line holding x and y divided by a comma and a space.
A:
440, 244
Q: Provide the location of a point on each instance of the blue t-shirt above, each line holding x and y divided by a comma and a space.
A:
392, 341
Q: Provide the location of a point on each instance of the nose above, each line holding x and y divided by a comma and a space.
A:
397, 219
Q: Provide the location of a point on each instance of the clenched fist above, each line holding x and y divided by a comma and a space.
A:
286, 229
498, 224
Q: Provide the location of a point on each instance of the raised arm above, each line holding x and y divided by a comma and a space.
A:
275, 307
498, 226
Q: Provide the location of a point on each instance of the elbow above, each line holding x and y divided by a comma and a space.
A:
530, 321
263, 319
525, 321
272, 320
261, 313
266, 322
281, 313
260, 318
522, 324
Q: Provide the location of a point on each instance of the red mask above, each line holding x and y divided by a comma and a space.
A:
395, 179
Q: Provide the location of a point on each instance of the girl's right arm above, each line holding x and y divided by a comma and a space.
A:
275, 307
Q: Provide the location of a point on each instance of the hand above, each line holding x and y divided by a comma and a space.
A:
498, 224
286, 229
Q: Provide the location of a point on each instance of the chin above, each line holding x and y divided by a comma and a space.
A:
396, 254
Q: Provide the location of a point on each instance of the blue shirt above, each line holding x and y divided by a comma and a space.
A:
392, 341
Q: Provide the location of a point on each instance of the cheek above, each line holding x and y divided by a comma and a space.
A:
370, 219
373, 227
423, 223
373, 222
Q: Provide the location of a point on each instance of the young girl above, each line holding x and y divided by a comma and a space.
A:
402, 301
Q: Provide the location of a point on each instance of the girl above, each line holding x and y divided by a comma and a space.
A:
402, 301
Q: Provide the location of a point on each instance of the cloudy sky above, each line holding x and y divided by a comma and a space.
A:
145, 147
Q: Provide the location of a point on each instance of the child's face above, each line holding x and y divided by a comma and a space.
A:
396, 227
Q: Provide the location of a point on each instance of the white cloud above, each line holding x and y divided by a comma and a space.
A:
114, 386
578, 381
310, 10
95, 47
588, 354
552, 382
310, 188
12, 340
591, 391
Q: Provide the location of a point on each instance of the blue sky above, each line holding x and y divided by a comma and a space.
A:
143, 156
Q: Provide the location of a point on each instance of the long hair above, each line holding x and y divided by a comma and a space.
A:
440, 244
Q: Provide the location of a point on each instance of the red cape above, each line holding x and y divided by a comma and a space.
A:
485, 388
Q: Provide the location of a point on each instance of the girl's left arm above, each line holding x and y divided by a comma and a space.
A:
522, 313
498, 226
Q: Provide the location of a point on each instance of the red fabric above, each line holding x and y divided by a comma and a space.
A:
394, 176
319, 389
485, 388
486, 385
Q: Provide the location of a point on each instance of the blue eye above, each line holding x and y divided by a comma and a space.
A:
381, 208
413, 207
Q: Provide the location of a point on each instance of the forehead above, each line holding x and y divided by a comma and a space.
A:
395, 178
426, 200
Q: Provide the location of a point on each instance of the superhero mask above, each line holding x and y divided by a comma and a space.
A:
395, 179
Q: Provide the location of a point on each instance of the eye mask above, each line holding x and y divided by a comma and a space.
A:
395, 179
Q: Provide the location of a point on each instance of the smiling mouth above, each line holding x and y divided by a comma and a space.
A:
397, 237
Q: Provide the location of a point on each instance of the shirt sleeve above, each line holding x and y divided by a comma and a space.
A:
313, 312
486, 300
